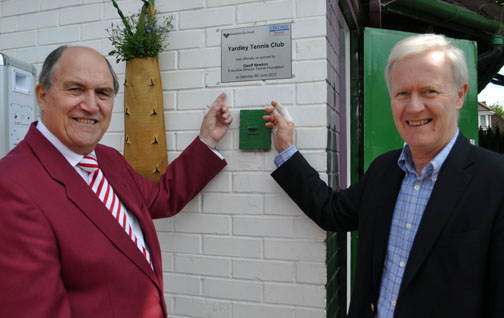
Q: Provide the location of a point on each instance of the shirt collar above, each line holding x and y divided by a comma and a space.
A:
405, 161
73, 158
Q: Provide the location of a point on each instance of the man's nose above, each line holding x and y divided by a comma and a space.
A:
415, 104
90, 102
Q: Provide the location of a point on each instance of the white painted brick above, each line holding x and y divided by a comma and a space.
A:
113, 140
182, 79
318, 160
231, 203
248, 310
170, 141
201, 58
213, 37
182, 284
167, 261
231, 246
263, 226
94, 44
206, 224
206, 18
263, 95
307, 8
183, 139
196, 307
119, 104
203, 265
116, 123
128, 7
97, 30
310, 93
201, 99
312, 27
81, 14
311, 138
170, 302
307, 71
302, 250
217, 3
13, 7
169, 100
311, 273
220, 183
177, 5
186, 39
8, 24
305, 228
35, 54
309, 115
309, 313
281, 204
245, 161
263, 11
38, 20
182, 243
255, 182
298, 295
194, 205
167, 61
264, 270
164, 224
18, 40
59, 35
56, 4
232, 289
183, 120
310, 49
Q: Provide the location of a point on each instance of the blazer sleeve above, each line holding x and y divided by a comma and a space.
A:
31, 284
331, 210
184, 178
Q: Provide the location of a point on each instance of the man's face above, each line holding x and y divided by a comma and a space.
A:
78, 106
425, 101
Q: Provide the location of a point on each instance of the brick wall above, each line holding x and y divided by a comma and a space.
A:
241, 248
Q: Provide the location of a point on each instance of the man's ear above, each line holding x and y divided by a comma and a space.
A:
41, 94
461, 94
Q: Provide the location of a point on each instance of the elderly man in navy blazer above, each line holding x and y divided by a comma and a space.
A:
75, 219
430, 215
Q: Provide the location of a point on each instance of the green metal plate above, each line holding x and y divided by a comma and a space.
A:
253, 133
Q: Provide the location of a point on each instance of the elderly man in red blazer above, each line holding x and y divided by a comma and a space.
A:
66, 251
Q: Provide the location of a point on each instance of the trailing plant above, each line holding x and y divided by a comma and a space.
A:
139, 35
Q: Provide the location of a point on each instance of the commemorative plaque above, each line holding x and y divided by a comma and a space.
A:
256, 53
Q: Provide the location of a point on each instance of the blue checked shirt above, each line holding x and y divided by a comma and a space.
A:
410, 205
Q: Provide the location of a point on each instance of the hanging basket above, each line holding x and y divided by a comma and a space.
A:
145, 139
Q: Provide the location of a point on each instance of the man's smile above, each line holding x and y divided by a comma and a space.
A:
415, 123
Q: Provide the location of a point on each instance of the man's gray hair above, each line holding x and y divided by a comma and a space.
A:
47, 73
422, 43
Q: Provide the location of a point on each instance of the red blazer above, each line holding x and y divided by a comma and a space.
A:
62, 254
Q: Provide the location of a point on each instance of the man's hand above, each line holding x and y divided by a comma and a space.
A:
282, 124
216, 122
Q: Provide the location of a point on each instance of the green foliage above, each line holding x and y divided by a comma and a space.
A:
498, 109
499, 2
139, 35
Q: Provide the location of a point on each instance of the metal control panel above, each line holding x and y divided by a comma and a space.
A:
17, 101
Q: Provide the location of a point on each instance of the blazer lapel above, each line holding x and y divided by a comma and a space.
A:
79, 192
453, 179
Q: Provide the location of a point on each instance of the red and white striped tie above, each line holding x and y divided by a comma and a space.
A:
103, 189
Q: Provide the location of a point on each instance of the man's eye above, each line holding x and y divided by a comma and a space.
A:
402, 94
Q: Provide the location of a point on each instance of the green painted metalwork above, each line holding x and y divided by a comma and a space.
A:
253, 133
380, 134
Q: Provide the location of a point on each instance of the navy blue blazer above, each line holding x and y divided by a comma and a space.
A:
456, 264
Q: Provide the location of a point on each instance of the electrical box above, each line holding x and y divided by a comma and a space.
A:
253, 133
17, 101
